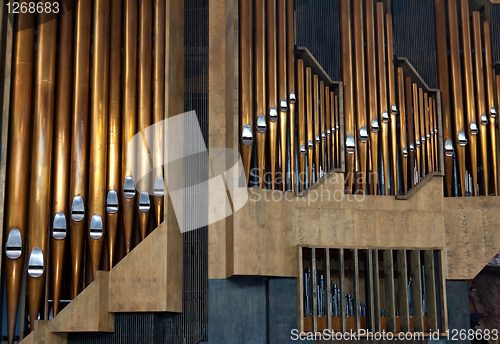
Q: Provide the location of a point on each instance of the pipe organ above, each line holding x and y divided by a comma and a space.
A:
97, 73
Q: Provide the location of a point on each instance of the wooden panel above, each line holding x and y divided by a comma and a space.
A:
416, 278
404, 312
390, 304
376, 291
42, 334
430, 288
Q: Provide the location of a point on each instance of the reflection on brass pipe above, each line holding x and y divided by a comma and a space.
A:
129, 123
403, 145
346, 53
260, 86
470, 106
337, 131
328, 125
79, 139
430, 137
282, 91
316, 134
490, 102
360, 90
384, 109
444, 86
436, 141
371, 73
416, 123
61, 165
291, 85
427, 133
456, 92
41, 162
322, 124
392, 101
158, 107
411, 131
245, 55
272, 100
302, 122
481, 106
309, 121
423, 145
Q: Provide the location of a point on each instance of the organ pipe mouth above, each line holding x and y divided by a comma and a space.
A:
261, 124
273, 115
375, 126
363, 134
246, 135
14, 244
350, 145
462, 140
35, 263
77, 209
159, 187
59, 229
96, 229
448, 148
144, 204
128, 187
112, 202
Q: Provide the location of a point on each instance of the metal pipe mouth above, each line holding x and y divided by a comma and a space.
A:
405, 152
317, 139
159, 187
423, 139
363, 134
310, 144
77, 209
473, 129
432, 132
448, 148
418, 143
385, 117
128, 187
328, 132
283, 105
246, 135
375, 126
293, 98
412, 147
394, 109
350, 145
323, 136
435, 131
428, 136
337, 127
14, 244
462, 140
484, 119
112, 202
35, 263
261, 124
144, 204
59, 229
273, 114
303, 149
333, 129
95, 230
493, 112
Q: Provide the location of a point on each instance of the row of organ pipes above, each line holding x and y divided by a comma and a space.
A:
98, 77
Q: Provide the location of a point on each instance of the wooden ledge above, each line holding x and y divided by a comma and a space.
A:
419, 186
42, 334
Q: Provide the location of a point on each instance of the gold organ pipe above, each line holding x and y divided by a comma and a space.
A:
431, 135
403, 146
144, 116
129, 119
291, 85
427, 132
245, 55
79, 139
436, 141
328, 125
346, 58
409, 92
421, 115
360, 90
114, 129
334, 129
456, 92
444, 86
158, 107
491, 100
481, 101
61, 166
316, 134
417, 130
41, 161
260, 86
98, 132
371, 72
384, 109
470, 106
392, 101
310, 136
337, 129
322, 125
272, 87
302, 123
282, 91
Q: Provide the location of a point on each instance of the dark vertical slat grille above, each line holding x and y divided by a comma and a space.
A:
317, 29
495, 27
414, 36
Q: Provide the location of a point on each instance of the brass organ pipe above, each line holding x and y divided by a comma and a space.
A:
144, 115
411, 130
114, 129
491, 100
322, 133
282, 84
456, 90
337, 131
431, 135
272, 86
427, 132
436, 141
316, 134
444, 86
403, 146
328, 125
302, 123
423, 145
79, 138
61, 166
470, 106
310, 136
371, 72
392, 101
346, 58
384, 109
98, 132
41, 161
260, 86
245, 55
158, 107
334, 130
481, 105
417, 129
360, 90
291, 85
129, 119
